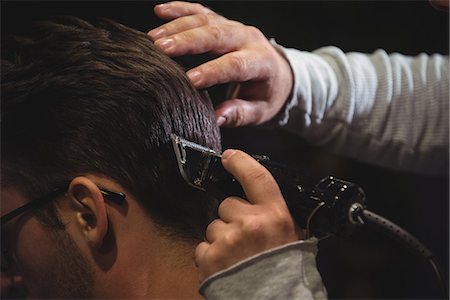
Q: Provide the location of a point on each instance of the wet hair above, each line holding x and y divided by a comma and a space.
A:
97, 97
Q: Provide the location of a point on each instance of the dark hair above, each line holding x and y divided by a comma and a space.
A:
97, 97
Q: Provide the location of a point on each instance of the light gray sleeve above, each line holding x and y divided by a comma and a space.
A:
390, 110
287, 272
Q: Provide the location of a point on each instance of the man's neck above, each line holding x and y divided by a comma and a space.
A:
152, 265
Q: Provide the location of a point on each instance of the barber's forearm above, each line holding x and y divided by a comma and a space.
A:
391, 110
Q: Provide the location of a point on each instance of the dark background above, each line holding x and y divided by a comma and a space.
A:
366, 265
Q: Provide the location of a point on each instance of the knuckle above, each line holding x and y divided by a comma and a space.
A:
239, 116
224, 205
255, 33
212, 229
254, 228
210, 18
232, 238
199, 250
197, 6
204, 18
215, 31
227, 201
236, 24
237, 62
282, 220
213, 223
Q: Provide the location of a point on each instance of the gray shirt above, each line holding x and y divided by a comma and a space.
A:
391, 110
287, 272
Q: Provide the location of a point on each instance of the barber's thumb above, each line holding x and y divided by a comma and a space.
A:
236, 113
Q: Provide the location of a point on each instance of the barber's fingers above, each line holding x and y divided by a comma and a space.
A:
209, 259
259, 185
199, 257
190, 18
234, 209
237, 112
200, 251
217, 39
175, 9
214, 38
186, 23
239, 66
231, 209
215, 229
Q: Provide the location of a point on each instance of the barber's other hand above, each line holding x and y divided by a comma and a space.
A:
242, 55
245, 228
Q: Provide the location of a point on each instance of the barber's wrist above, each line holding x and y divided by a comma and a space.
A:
275, 120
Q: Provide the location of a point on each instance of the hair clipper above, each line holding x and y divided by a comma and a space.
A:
326, 207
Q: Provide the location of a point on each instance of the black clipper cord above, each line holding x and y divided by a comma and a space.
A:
332, 207
381, 224
329, 207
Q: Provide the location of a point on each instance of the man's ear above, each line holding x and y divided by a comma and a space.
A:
90, 209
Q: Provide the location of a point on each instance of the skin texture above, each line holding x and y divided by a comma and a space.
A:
102, 241
115, 251
245, 228
261, 78
108, 109
93, 256
244, 56
30, 241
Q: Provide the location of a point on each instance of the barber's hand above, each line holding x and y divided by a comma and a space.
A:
245, 228
242, 55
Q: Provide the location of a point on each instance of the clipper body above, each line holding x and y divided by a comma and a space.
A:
323, 208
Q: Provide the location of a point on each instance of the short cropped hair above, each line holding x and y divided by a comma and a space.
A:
97, 97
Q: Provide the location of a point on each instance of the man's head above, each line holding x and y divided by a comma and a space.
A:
85, 108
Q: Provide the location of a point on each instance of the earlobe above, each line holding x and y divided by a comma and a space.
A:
90, 208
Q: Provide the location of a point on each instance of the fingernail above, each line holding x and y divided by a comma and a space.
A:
221, 120
162, 6
157, 33
165, 44
194, 76
228, 153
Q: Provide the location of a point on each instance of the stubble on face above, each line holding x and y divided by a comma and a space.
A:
68, 274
